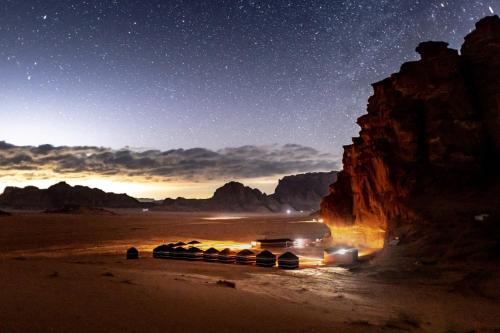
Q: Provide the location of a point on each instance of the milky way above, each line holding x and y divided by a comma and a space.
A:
213, 74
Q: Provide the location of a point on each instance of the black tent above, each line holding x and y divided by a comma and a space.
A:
194, 242
179, 253
245, 257
211, 254
194, 253
179, 244
288, 260
227, 256
132, 253
266, 259
162, 251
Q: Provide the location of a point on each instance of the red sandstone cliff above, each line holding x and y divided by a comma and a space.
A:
426, 161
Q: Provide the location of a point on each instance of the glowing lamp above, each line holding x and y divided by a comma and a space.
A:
299, 242
340, 255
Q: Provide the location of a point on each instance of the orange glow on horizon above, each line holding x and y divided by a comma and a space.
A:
139, 187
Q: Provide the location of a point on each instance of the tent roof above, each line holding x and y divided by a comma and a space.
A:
194, 250
162, 247
132, 249
226, 251
212, 250
246, 252
194, 242
266, 254
288, 255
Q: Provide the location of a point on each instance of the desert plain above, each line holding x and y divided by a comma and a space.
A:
68, 273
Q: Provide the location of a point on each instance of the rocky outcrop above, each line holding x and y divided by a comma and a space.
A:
427, 157
232, 197
63, 195
303, 192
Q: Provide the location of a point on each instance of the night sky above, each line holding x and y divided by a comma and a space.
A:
211, 74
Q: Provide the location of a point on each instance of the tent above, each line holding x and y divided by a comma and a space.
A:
211, 254
179, 244
265, 259
194, 253
245, 257
132, 253
162, 251
179, 253
227, 256
275, 242
193, 242
288, 260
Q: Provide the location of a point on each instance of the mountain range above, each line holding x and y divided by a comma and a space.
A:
301, 192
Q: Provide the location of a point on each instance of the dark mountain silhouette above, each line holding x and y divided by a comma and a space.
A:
304, 191
62, 195
298, 192
233, 196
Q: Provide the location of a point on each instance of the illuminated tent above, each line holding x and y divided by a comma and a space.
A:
132, 253
211, 254
179, 253
245, 257
266, 259
194, 253
227, 256
288, 260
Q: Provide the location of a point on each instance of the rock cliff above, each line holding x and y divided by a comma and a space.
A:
427, 157
296, 192
231, 197
304, 191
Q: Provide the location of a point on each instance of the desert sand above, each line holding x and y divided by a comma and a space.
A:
68, 273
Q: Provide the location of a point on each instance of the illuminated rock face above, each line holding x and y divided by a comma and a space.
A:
427, 155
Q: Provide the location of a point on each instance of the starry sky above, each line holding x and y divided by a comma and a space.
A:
211, 74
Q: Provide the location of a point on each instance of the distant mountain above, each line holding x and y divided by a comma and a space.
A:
233, 196
304, 191
63, 195
299, 192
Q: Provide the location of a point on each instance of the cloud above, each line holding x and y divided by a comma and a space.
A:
197, 164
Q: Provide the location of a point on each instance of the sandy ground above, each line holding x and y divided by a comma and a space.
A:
67, 273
